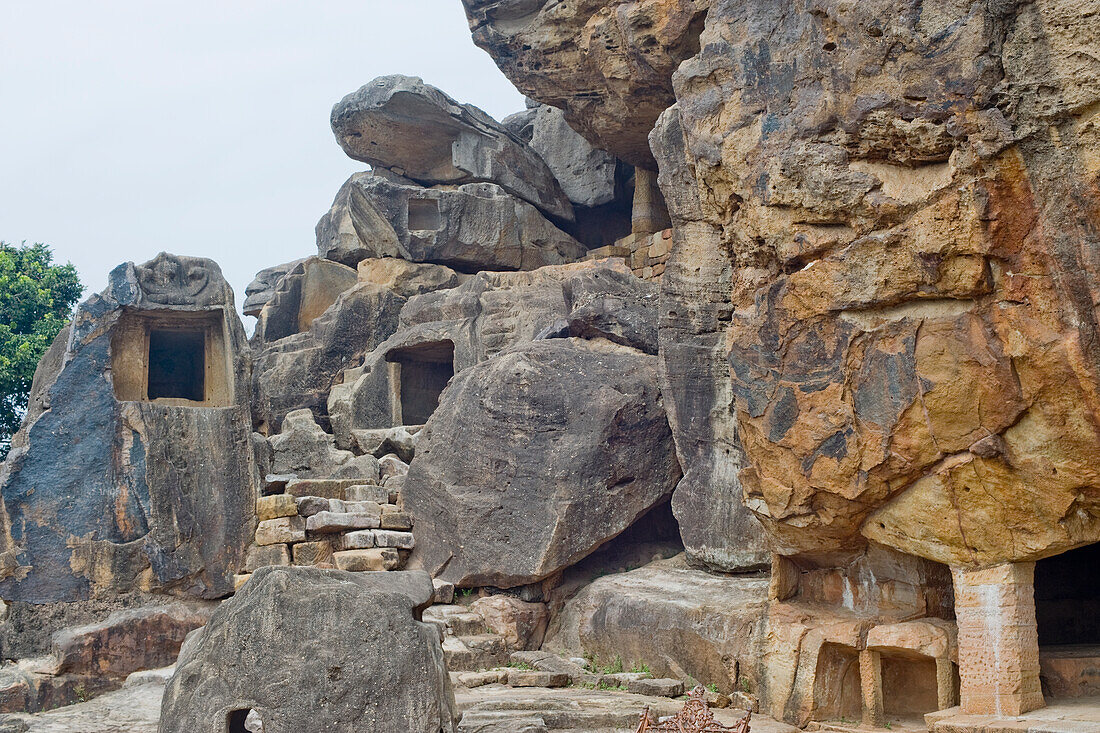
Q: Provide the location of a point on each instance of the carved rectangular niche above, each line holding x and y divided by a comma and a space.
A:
172, 358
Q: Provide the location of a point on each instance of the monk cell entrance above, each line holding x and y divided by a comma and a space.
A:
171, 358
422, 372
1067, 615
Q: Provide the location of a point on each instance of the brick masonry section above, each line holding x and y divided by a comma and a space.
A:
645, 254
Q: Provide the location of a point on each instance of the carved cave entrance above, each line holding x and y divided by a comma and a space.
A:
243, 721
838, 693
172, 358
1067, 615
421, 373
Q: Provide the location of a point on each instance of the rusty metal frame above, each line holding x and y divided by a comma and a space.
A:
695, 717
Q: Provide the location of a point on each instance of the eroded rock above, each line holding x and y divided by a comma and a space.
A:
580, 449
355, 636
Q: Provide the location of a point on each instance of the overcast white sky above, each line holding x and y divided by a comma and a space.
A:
201, 127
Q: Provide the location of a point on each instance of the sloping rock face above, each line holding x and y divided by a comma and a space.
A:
416, 131
309, 649
678, 621
908, 248
608, 65
143, 477
260, 290
580, 449
470, 227
487, 314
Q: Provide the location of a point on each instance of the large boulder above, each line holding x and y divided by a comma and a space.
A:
416, 131
907, 208
487, 314
299, 296
537, 457
609, 65
134, 469
306, 649
470, 227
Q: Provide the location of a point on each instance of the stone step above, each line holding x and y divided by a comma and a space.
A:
473, 653
324, 487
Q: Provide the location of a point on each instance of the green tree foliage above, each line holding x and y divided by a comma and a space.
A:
36, 300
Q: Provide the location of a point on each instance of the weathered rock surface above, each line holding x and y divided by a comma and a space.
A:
679, 621
259, 291
416, 131
297, 371
352, 643
127, 641
586, 173
521, 624
716, 527
470, 227
488, 313
607, 64
904, 274
131, 481
303, 293
580, 449
307, 451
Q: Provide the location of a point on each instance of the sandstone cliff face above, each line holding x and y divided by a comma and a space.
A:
879, 317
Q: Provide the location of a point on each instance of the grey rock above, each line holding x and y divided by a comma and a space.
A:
716, 527
381, 667
310, 505
468, 227
304, 449
390, 465
406, 278
677, 620
302, 294
537, 457
328, 522
368, 492
488, 313
393, 538
297, 371
156, 493
663, 687
259, 291
405, 125
401, 441
586, 173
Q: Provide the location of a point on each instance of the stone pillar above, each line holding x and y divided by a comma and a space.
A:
649, 214
870, 679
998, 639
945, 684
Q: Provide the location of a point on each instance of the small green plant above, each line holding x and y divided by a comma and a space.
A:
81, 693
520, 665
640, 668
713, 687
888, 725
746, 686
465, 592
614, 668
611, 686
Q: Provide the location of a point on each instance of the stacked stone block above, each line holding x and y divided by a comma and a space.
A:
330, 523
645, 254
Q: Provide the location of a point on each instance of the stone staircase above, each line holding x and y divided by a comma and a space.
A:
347, 524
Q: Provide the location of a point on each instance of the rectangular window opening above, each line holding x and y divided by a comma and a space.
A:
177, 364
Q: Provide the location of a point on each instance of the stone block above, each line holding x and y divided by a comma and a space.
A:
278, 505
444, 591
260, 556
656, 688
283, 530
312, 553
359, 540
528, 678
367, 560
368, 492
390, 538
310, 505
328, 488
480, 679
394, 518
328, 522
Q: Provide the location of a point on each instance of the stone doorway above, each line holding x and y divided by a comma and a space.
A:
422, 372
177, 364
838, 692
1067, 614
